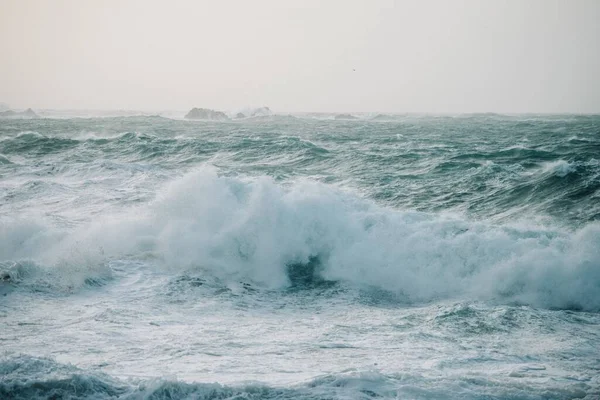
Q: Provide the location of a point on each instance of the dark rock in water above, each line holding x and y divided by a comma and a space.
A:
381, 117
240, 115
29, 113
205, 113
261, 112
345, 116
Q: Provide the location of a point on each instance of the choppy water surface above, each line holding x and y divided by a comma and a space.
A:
415, 257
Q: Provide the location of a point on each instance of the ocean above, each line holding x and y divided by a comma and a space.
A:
300, 257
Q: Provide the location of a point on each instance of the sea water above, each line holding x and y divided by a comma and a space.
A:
411, 257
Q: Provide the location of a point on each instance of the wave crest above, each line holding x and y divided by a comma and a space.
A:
280, 236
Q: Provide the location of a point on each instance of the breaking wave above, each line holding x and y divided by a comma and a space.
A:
258, 231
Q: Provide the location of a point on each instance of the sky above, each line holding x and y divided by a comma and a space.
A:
431, 56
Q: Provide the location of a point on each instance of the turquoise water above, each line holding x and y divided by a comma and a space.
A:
298, 257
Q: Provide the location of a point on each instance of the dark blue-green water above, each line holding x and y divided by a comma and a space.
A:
296, 257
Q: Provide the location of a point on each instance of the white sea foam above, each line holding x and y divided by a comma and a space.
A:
560, 168
252, 229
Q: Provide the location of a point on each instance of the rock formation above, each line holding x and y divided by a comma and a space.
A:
345, 116
205, 113
29, 113
261, 112
382, 117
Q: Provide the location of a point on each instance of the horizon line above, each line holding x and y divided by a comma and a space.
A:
285, 112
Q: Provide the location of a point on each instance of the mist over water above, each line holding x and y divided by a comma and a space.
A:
394, 256
431, 56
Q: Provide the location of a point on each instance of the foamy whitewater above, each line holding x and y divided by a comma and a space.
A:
409, 257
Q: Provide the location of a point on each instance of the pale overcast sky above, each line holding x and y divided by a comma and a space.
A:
373, 56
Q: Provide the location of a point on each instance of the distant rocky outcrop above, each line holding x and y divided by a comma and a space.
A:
240, 115
205, 113
260, 112
29, 113
382, 117
345, 117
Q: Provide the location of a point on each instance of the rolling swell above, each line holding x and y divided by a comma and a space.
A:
486, 166
27, 377
36, 144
